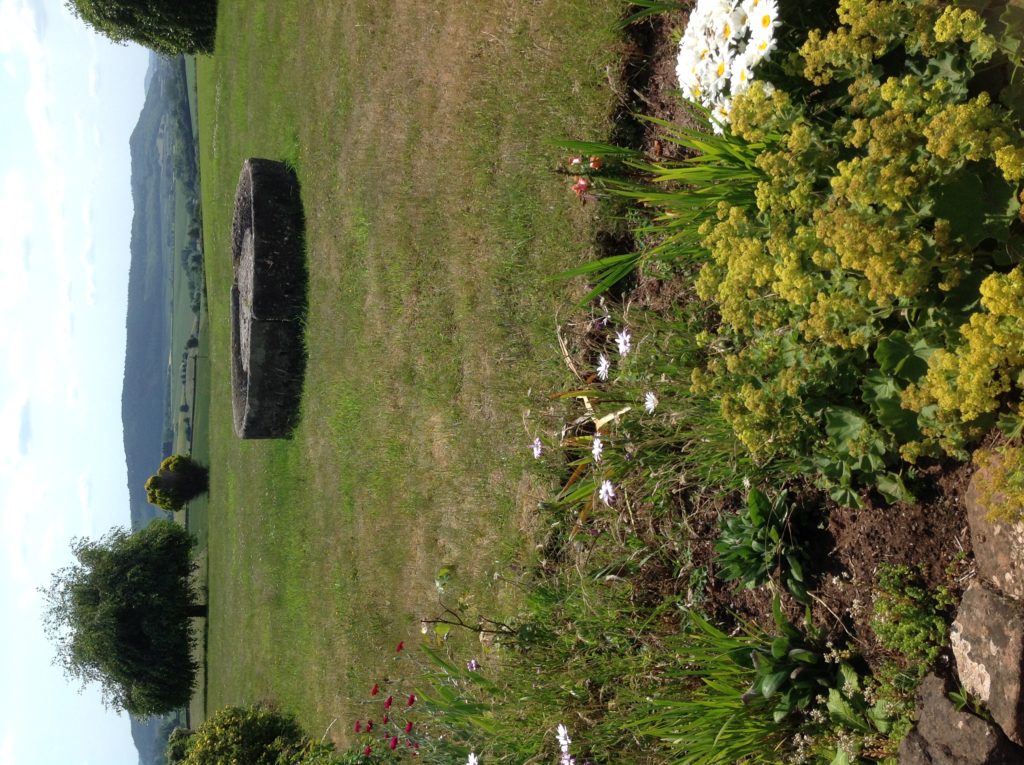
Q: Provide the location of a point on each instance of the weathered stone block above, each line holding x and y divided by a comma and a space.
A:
945, 735
988, 643
998, 545
268, 299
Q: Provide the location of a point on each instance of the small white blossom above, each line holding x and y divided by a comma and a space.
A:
537, 448
472, 760
607, 492
624, 341
650, 402
603, 366
596, 448
563, 733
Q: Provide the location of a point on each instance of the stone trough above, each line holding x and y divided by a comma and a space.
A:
268, 300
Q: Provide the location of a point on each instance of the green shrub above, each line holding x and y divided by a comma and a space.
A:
257, 735
179, 479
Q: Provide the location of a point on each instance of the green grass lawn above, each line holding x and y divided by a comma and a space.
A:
434, 219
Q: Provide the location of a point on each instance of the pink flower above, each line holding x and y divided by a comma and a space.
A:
581, 187
412, 700
375, 690
393, 742
408, 727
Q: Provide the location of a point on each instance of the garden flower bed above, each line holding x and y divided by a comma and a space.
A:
776, 391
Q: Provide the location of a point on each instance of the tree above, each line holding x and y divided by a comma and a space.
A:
179, 479
119, 617
165, 26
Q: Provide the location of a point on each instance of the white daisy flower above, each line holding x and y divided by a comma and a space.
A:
596, 448
650, 402
603, 367
740, 76
764, 19
473, 759
607, 492
624, 340
759, 49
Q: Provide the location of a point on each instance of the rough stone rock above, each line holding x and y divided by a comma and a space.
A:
268, 299
945, 735
998, 545
988, 643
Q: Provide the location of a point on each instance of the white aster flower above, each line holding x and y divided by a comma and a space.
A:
603, 366
596, 448
537, 448
563, 735
624, 340
650, 402
607, 492
472, 760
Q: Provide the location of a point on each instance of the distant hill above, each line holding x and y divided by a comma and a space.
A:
144, 395
145, 392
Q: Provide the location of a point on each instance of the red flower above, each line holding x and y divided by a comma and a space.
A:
393, 742
359, 727
596, 163
408, 727
385, 720
412, 700
400, 646
581, 187
375, 690
369, 726
388, 702
368, 751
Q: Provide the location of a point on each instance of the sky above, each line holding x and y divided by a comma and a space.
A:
69, 102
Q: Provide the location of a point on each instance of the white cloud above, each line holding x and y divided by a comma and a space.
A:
15, 228
93, 75
7, 749
85, 501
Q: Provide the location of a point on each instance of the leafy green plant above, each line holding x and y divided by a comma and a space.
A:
687, 192
789, 671
909, 620
732, 697
754, 543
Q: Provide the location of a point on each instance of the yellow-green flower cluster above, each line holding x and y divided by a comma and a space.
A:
968, 381
847, 240
870, 29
